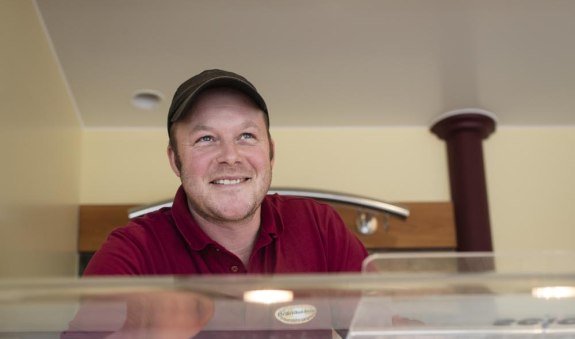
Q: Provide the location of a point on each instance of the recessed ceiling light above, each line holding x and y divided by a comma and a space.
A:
147, 99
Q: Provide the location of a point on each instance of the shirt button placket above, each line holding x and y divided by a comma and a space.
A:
234, 269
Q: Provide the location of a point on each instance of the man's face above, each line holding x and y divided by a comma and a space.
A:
223, 156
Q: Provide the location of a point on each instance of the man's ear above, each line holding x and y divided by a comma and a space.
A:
174, 160
272, 151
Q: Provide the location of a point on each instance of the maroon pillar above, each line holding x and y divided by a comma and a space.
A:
464, 131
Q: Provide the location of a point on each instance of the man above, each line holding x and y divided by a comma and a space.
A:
222, 220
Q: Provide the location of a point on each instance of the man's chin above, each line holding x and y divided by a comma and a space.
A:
227, 207
236, 216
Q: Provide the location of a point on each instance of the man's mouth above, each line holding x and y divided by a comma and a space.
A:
229, 181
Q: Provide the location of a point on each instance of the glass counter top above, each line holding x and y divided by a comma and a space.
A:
409, 295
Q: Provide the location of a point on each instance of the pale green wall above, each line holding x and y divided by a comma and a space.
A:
40, 139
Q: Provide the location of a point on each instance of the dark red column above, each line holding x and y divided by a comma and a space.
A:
463, 132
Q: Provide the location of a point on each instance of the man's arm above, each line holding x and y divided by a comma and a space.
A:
120, 254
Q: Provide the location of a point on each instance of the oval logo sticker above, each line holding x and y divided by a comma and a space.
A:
296, 314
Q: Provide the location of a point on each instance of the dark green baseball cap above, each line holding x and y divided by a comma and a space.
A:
189, 91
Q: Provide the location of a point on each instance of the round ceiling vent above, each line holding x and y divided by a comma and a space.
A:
147, 99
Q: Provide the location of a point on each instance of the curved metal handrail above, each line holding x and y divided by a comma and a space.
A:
145, 209
359, 201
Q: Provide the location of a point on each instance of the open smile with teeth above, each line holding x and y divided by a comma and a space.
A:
229, 181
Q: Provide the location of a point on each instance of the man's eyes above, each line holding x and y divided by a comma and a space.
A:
210, 138
246, 136
206, 138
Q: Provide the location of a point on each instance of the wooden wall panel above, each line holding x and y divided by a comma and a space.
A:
97, 221
430, 226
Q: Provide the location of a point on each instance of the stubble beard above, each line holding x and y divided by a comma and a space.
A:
201, 210
202, 203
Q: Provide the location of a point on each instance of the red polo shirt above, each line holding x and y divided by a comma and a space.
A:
298, 235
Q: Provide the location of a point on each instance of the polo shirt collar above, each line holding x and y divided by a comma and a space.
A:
197, 239
271, 220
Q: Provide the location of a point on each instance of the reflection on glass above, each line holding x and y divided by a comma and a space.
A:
451, 300
554, 292
268, 296
153, 314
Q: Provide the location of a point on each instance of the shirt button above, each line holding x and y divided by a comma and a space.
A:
234, 269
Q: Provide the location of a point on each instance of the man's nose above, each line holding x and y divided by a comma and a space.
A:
229, 153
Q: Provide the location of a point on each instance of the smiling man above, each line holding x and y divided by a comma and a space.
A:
222, 220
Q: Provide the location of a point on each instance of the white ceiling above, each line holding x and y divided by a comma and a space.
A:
324, 62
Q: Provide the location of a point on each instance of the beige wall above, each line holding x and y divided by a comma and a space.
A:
529, 171
531, 182
43, 176
125, 166
40, 141
131, 166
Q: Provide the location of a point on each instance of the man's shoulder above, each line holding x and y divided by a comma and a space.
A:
299, 207
292, 199
289, 201
149, 223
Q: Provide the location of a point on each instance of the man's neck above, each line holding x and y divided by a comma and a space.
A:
236, 237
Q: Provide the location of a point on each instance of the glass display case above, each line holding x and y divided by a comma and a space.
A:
474, 295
